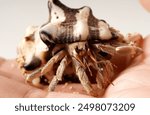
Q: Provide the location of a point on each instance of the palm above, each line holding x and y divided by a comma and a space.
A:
132, 82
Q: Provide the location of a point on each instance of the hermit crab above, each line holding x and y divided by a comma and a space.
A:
73, 43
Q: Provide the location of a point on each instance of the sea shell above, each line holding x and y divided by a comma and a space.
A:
68, 25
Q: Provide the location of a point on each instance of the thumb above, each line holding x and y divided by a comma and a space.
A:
146, 4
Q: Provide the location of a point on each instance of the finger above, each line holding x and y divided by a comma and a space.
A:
146, 4
140, 92
121, 62
73, 88
11, 88
1, 60
68, 90
131, 80
134, 81
9, 68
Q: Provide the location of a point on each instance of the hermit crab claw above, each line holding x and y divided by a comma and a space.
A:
134, 46
133, 51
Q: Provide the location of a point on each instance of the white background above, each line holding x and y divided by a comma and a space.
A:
7, 106
16, 15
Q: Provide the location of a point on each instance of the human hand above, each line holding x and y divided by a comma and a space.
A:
146, 4
135, 80
12, 84
132, 82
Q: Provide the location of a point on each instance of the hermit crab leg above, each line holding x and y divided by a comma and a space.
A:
102, 72
49, 65
29, 77
59, 73
80, 72
99, 80
45, 69
78, 66
105, 48
99, 76
106, 69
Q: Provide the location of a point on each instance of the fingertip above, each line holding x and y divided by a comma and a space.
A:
146, 4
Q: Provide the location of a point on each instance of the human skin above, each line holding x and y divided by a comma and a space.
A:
146, 4
134, 81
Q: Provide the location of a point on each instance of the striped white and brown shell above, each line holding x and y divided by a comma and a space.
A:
67, 25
